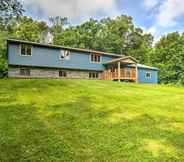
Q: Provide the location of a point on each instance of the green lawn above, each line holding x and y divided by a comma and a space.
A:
90, 121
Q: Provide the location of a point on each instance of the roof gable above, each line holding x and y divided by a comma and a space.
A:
125, 60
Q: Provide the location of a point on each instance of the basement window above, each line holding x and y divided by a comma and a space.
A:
93, 75
95, 58
25, 72
62, 74
148, 75
26, 50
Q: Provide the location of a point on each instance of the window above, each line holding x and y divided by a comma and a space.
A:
23, 49
26, 50
62, 74
93, 75
95, 58
65, 55
29, 50
148, 75
25, 72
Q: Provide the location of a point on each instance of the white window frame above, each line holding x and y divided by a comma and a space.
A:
63, 76
24, 69
65, 57
26, 55
149, 76
96, 75
94, 61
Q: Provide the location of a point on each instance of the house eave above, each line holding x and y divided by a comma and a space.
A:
62, 47
121, 60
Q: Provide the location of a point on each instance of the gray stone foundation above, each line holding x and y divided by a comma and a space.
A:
14, 72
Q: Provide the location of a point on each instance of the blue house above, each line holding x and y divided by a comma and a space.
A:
36, 60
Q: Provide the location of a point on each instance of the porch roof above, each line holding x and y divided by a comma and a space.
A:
125, 60
145, 67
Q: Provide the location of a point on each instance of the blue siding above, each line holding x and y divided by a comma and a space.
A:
49, 57
142, 76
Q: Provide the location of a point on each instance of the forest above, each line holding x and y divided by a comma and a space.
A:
117, 35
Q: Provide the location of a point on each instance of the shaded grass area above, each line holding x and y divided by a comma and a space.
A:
90, 121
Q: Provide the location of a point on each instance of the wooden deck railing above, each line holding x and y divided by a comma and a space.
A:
129, 75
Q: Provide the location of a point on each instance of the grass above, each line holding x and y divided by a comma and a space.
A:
90, 121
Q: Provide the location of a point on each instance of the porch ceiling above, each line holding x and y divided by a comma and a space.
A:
124, 60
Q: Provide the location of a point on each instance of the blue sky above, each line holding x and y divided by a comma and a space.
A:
154, 16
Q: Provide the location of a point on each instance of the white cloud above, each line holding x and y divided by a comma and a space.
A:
168, 14
152, 30
150, 3
73, 9
169, 11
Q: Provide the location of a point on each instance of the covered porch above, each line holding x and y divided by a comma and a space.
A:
121, 69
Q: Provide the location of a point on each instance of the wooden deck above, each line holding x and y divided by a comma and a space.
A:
125, 75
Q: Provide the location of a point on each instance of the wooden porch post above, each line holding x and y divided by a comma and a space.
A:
119, 71
136, 70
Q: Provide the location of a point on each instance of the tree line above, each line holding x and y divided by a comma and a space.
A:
118, 35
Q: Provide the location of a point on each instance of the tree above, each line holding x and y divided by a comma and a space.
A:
81, 36
57, 26
30, 30
168, 55
87, 34
70, 37
58, 23
3, 61
9, 9
117, 35
139, 45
